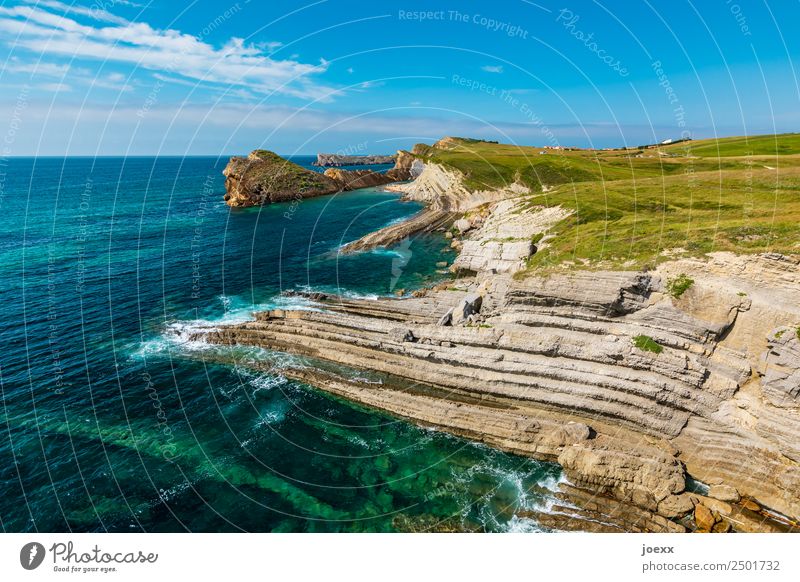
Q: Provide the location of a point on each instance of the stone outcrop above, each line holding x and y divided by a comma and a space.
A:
422, 222
442, 190
404, 169
355, 179
264, 177
781, 367
504, 240
407, 167
334, 160
464, 312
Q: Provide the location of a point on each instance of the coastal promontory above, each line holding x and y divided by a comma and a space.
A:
264, 177
334, 160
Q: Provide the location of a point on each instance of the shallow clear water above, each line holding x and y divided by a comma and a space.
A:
108, 422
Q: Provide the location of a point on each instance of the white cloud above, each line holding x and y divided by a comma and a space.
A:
54, 87
227, 90
492, 68
95, 11
66, 72
269, 47
37, 68
264, 119
168, 51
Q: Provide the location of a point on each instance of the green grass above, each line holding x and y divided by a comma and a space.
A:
628, 206
679, 285
759, 145
647, 344
277, 174
630, 222
488, 165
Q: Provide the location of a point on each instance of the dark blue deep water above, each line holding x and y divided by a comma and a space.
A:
110, 422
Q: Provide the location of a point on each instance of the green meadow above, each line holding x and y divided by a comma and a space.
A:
634, 208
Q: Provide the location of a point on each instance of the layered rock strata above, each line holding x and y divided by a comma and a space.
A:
549, 367
442, 191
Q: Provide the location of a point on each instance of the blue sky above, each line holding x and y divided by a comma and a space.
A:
108, 77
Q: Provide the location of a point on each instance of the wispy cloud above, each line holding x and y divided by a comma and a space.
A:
266, 119
37, 68
95, 12
492, 68
54, 87
113, 38
63, 72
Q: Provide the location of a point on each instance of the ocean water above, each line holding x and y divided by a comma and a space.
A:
111, 422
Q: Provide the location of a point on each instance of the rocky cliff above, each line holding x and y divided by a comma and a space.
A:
264, 177
442, 191
403, 169
333, 160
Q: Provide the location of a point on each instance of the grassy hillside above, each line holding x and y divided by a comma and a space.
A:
629, 206
489, 165
759, 145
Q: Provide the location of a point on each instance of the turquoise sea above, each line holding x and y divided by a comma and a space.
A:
110, 421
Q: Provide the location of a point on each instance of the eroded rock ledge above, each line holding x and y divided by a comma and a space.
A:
549, 367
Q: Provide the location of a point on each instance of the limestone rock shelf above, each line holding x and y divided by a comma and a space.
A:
548, 368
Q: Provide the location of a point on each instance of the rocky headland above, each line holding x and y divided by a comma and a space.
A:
333, 160
264, 177
669, 394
